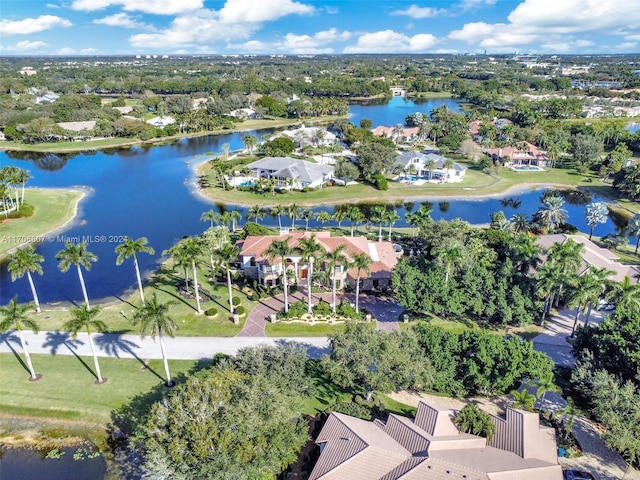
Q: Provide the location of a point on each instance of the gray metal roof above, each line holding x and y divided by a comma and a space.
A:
287, 167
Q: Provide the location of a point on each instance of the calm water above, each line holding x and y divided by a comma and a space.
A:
150, 192
25, 464
633, 127
397, 110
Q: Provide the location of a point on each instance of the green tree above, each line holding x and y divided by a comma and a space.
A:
523, 399
227, 254
25, 261
544, 385
586, 292
280, 249
392, 217
625, 295
210, 216
257, 212
154, 320
14, 317
634, 229
360, 261
78, 255
84, 318
130, 248
323, 217
374, 158
335, 258
552, 213
278, 211
595, 213
192, 248
309, 250
474, 421
355, 215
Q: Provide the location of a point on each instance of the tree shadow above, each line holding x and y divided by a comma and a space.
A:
313, 351
55, 340
115, 345
9, 338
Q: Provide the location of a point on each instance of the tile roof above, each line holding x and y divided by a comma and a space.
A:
288, 167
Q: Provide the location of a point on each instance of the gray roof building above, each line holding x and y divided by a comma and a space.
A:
301, 172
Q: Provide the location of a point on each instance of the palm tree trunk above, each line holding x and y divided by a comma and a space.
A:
279, 222
285, 288
575, 321
390, 231
195, 286
95, 357
357, 290
352, 229
84, 287
637, 244
591, 233
380, 232
586, 320
135, 264
186, 278
26, 355
22, 200
309, 283
164, 359
33, 291
231, 307
333, 289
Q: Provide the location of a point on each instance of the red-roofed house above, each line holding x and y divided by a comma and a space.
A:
407, 134
524, 154
430, 447
255, 264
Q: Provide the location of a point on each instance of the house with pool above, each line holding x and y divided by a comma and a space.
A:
254, 262
422, 167
525, 156
290, 173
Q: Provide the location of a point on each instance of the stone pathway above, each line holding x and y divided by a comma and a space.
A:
385, 310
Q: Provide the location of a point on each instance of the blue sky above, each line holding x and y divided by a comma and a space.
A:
112, 27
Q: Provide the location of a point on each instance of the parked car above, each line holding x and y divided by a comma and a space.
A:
577, 475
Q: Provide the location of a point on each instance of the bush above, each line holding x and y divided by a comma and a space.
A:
297, 310
25, 211
346, 310
240, 310
236, 301
323, 308
380, 182
352, 409
211, 312
253, 228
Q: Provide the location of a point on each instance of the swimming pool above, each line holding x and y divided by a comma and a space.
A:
527, 168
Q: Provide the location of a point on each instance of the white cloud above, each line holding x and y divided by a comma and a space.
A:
252, 11
471, 4
415, 11
157, 7
237, 20
52, 5
388, 41
318, 43
66, 51
627, 46
89, 50
24, 46
566, 46
121, 19
32, 25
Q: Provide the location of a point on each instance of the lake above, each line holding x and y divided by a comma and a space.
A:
150, 191
26, 464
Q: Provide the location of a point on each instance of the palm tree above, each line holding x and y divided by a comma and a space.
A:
448, 165
527, 253
306, 215
277, 211
250, 142
625, 294
293, 211
210, 216
544, 384
360, 262
379, 214
552, 213
392, 218
214, 238
548, 280
567, 256
179, 256
26, 260
523, 399
309, 248
227, 255
334, 258
84, 318
234, 216
15, 318
355, 215
430, 165
570, 411
192, 249
595, 213
129, 248
154, 320
634, 229
281, 249
339, 215
474, 421
323, 217
257, 212
520, 223
448, 256
79, 256
586, 291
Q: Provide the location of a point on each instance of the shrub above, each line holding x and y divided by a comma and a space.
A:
380, 181
25, 211
346, 310
236, 301
240, 310
296, 310
211, 312
352, 409
323, 308
253, 228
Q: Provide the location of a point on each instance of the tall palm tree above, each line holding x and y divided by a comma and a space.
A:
567, 256
214, 239
379, 215
309, 249
448, 166
323, 217
228, 254
130, 248
210, 216
277, 211
552, 213
306, 215
154, 319
586, 292
193, 248
15, 318
256, 212
548, 280
392, 218
78, 255
354, 215
339, 215
360, 262
334, 258
543, 385
179, 256
527, 252
281, 249
634, 229
84, 318
235, 216
448, 256
25, 261
293, 211
520, 223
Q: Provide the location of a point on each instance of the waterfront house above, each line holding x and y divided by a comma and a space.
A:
524, 154
291, 173
416, 164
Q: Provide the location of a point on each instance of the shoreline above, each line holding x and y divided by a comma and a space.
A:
66, 224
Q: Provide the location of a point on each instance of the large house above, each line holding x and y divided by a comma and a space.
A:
404, 134
255, 264
291, 173
525, 154
430, 447
431, 166
593, 256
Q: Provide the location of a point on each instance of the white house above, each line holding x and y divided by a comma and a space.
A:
291, 173
161, 122
309, 136
430, 166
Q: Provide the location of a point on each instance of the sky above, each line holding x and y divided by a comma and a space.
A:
174, 27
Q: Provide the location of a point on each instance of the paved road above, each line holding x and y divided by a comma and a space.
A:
132, 346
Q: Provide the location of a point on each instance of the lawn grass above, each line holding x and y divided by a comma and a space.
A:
52, 209
67, 391
301, 329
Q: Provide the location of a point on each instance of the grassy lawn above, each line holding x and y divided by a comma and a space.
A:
475, 183
66, 390
117, 315
301, 329
52, 209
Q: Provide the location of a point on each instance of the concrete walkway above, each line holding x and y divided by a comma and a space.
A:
385, 310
